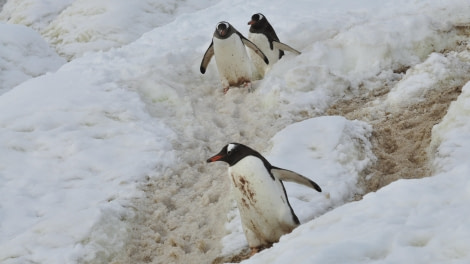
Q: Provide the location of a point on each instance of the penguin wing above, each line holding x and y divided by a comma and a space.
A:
287, 175
207, 57
255, 48
285, 47
271, 35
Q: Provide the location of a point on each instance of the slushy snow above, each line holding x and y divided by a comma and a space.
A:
107, 122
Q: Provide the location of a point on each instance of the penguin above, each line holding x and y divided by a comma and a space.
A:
259, 191
263, 35
233, 63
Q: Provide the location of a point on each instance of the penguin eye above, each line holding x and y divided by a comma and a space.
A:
260, 16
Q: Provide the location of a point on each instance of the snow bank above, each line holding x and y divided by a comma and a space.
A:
24, 55
31, 13
418, 221
77, 27
366, 43
435, 72
73, 150
334, 162
451, 137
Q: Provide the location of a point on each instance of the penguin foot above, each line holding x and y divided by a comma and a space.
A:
254, 250
226, 89
257, 249
249, 85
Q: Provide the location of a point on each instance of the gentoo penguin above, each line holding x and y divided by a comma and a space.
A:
264, 36
233, 63
260, 194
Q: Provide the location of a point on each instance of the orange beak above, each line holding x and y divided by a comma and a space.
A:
251, 22
215, 158
222, 32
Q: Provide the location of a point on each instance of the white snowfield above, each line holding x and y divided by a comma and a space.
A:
96, 97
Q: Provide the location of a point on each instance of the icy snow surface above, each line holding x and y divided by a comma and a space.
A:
107, 122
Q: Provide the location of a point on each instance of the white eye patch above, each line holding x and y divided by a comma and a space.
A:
230, 147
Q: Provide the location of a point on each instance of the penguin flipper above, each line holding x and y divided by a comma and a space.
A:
207, 57
255, 48
290, 176
282, 46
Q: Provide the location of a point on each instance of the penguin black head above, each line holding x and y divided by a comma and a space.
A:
234, 152
258, 21
223, 30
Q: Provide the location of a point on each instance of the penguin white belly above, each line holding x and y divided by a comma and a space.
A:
232, 61
262, 42
264, 209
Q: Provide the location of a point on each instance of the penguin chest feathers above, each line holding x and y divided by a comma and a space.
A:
264, 209
232, 61
262, 42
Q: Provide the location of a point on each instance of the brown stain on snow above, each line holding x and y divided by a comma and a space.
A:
401, 139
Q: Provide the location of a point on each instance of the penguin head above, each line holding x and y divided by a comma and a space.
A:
222, 29
232, 153
258, 21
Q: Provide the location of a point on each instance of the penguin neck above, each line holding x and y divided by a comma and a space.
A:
234, 160
257, 29
229, 33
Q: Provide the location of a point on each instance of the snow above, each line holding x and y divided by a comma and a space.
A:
450, 137
99, 98
77, 27
34, 14
24, 55
71, 159
413, 220
419, 221
427, 76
